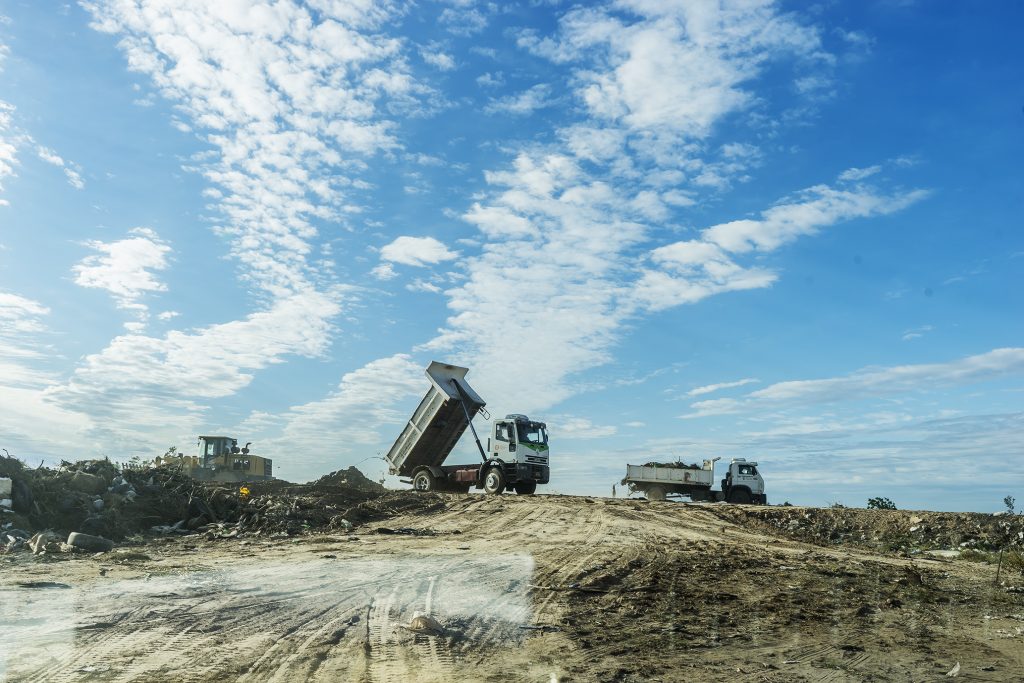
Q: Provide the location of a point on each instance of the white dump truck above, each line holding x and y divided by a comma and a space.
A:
517, 450
742, 482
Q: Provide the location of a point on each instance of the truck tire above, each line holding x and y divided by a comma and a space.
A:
739, 496
526, 488
424, 481
656, 493
494, 481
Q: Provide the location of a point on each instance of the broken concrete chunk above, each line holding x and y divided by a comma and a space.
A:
6, 486
93, 544
44, 541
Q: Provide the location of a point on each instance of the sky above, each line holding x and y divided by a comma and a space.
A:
788, 232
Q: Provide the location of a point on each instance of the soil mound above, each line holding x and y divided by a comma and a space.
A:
350, 478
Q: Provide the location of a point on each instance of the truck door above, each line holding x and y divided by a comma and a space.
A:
504, 440
746, 475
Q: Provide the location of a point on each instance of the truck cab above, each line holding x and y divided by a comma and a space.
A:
743, 483
520, 445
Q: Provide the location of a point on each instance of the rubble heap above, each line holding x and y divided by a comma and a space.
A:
887, 529
95, 499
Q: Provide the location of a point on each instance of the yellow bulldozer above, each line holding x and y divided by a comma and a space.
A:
220, 459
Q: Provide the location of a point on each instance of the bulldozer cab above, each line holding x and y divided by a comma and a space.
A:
213, 450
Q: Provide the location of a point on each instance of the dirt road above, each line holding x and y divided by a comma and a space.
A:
525, 588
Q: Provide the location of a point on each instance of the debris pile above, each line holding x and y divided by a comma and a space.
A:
887, 529
673, 465
98, 503
350, 478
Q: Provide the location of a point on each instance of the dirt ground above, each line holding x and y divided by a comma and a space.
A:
531, 588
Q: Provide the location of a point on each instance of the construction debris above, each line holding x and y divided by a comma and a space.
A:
92, 544
99, 504
912, 532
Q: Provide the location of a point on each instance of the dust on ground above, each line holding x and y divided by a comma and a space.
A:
531, 588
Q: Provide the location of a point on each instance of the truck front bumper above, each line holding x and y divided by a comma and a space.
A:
529, 472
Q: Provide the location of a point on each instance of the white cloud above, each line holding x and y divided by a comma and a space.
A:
416, 251
804, 214
570, 427
711, 388
292, 99
854, 174
490, 80
463, 21
9, 142
674, 67
19, 314
71, 170
384, 271
143, 390
872, 382
916, 333
522, 104
692, 270
125, 268
167, 315
437, 59
365, 411
423, 286
573, 215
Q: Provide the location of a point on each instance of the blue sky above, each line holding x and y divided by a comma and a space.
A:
778, 231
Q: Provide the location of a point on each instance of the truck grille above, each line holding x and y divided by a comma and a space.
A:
537, 459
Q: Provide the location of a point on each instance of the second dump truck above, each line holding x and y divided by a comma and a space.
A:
742, 483
517, 450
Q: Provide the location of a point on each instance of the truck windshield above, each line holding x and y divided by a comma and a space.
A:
532, 433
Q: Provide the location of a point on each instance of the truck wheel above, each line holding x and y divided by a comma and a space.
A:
739, 496
656, 493
526, 488
494, 481
424, 481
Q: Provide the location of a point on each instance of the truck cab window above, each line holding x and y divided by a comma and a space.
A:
532, 433
501, 433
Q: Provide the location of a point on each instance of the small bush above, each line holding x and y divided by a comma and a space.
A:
881, 504
972, 555
1013, 561
1010, 502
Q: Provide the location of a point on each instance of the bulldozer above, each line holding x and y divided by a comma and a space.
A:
220, 459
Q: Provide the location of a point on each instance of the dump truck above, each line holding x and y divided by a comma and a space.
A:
517, 449
742, 483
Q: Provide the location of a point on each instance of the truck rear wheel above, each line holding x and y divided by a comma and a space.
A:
424, 481
494, 481
656, 493
739, 496
526, 488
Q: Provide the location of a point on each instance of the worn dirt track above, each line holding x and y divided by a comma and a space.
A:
608, 590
